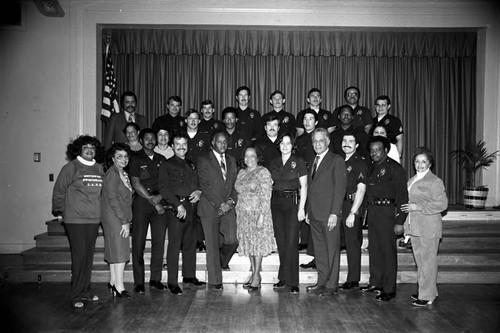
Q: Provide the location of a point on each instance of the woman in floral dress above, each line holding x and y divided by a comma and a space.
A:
253, 214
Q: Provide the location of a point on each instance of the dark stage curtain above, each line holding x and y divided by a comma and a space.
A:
429, 76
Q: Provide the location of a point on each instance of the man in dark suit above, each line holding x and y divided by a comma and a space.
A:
117, 122
217, 174
325, 196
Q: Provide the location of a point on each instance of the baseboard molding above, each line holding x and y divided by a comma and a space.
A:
472, 215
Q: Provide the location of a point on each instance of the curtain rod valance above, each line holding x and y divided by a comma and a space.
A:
293, 43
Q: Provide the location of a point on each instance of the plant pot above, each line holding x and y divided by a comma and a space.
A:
475, 197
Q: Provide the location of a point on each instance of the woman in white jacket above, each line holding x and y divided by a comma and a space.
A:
427, 200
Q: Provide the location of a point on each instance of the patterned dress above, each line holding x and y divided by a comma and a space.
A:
254, 198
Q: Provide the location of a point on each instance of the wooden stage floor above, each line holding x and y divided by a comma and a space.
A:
31, 307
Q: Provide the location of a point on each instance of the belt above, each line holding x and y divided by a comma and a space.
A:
382, 202
350, 197
182, 199
286, 193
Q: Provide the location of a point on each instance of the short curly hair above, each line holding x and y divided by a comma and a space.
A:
110, 153
74, 147
424, 151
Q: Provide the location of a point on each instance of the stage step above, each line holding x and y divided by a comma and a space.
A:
469, 253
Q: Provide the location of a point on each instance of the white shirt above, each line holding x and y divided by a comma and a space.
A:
321, 156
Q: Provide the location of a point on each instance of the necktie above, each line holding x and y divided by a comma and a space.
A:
315, 166
130, 119
223, 166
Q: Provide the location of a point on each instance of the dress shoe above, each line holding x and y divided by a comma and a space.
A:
302, 247
139, 288
77, 304
414, 297
371, 289
193, 282
216, 287
327, 292
294, 290
157, 284
175, 289
349, 285
246, 285
280, 284
315, 289
421, 302
252, 289
225, 268
90, 298
121, 294
384, 297
311, 264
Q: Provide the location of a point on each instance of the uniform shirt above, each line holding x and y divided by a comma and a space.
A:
287, 121
286, 177
197, 146
250, 123
387, 180
305, 148
208, 126
173, 124
177, 178
362, 116
325, 118
236, 144
357, 172
337, 136
393, 124
142, 167
269, 150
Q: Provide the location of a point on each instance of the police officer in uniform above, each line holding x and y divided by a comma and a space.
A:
286, 119
147, 209
198, 142
268, 144
249, 120
351, 231
237, 140
386, 191
392, 123
207, 122
172, 120
178, 184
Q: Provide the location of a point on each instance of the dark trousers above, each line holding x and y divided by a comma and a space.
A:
221, 242
352, 239
286, 231
144, 215
383, 252
82, 239
181, 236
327, 252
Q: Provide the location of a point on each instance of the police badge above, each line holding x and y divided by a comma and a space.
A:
325, 117
201, 143
252, 115
240, 142
349, 168
285, 120
294, 165
382, 172
181, 123
386, 122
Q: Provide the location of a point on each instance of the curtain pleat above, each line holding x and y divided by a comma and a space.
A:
430, 77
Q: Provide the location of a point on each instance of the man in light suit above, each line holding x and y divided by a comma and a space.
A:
325, 195
217, 174
116, 124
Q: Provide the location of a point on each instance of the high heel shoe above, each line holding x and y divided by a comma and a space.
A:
122, 294
110, 287
252, 289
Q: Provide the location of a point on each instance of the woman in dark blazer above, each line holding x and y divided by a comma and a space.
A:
427, 199
116, 214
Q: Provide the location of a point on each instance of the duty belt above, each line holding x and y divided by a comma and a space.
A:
182, 199
382, 202
286, 193
350, 197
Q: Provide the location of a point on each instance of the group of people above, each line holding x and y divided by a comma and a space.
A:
251, 184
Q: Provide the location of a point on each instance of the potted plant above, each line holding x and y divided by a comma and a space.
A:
472, 159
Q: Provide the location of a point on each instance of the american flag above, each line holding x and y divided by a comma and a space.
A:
109, 95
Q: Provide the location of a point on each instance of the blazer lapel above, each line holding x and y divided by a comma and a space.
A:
216, 164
